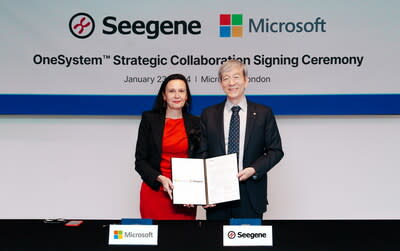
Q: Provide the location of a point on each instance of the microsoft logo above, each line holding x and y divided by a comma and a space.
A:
117, 234
231, 25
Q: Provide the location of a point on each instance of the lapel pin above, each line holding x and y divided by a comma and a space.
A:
254, 114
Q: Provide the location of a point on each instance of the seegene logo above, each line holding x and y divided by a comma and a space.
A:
231, 25
231, 234
81, 25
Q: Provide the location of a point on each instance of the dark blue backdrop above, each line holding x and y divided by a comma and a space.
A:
348, 104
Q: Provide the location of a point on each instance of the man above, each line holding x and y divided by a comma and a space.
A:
249, 129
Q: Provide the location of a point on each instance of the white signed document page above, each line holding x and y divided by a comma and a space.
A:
201, 182
189, 181
222, 180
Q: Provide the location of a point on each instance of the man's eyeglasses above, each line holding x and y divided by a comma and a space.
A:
234, 78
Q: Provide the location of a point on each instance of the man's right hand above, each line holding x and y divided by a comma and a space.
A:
209, 206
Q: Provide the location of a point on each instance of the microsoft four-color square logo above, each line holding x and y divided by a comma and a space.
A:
231, 25
117, 234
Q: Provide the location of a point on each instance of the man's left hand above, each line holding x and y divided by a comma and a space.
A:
246, 173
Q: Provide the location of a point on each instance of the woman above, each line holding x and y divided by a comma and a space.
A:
168, 130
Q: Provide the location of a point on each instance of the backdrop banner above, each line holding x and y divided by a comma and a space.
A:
304, 58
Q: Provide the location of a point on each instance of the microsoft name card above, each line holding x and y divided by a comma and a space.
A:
133, 235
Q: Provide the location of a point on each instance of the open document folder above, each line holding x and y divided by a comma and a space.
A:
205, 181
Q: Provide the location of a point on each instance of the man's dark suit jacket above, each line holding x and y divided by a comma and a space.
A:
149, 144
262, 146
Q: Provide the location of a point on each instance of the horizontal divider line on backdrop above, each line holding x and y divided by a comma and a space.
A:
117, 105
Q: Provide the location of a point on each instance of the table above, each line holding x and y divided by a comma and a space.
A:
204, 235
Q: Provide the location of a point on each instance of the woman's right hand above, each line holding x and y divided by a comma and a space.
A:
167, 184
